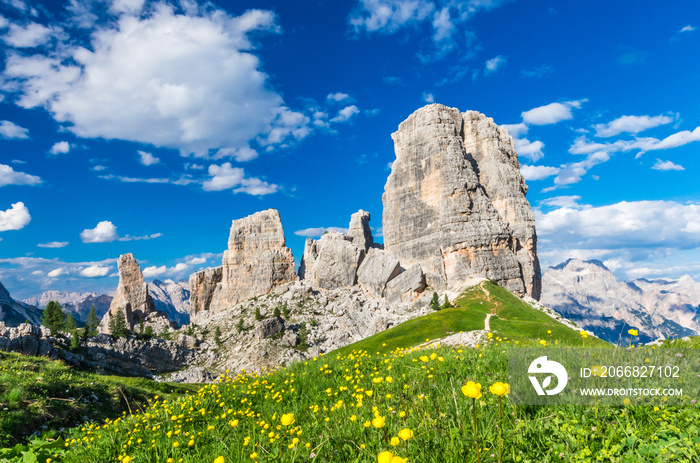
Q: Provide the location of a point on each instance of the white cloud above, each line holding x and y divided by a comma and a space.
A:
15, 218
318, 231
239, 154
539, 71
197, 261
666, 165
28, 36
10, 130
630, 124
147, 159
99, 168
516, 130
428, 97
61, 147
57, 272
126, 6
446, 18
95, 271
538, 172
551, 113
186, 81
673, 141
53, 244
526, 148
687, 28
256, 187
494, 64
389, 15
226, 177
572, 173
346, 113
337, 96
625, 224
104, 232
563, 201
8, 176
158, 271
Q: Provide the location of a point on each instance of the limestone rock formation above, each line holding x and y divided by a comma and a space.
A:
359, 231
331, 262
455, 202
256, 261
270, 327
405, 287
132, 295
376, 270
202, 287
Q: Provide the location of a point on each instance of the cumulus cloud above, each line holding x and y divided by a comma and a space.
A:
388, 16
338, 96
226, 177
147, 159
57, 272
8, 176
10, 130
666, 165
15, 218
95, 271
346, 113
61, 147
658, 235
538, 172
516, 130
106, 232
28, 36
188, 81
428, 97
53, 244
318, 231
239, 154
551, 113
583, 146
529, 149
159, 271
630, 124
494, 64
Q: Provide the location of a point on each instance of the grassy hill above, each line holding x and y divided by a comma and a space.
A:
511, 318
41, 394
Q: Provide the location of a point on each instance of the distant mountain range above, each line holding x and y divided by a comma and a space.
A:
587, 293
14, 313
170, 297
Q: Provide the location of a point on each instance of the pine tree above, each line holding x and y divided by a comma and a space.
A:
258, 315
117, 325
70, 324
240, 327
446, 304
92, 322
435, 302
217, 336
53, 317
149, 332
74, 339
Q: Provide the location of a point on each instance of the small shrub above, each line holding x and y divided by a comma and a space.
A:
258, 315
435, 302
277, 312
217, 336
240, 327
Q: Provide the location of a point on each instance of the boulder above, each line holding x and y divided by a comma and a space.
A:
256, 262
267, 328
331, 261
376, 269
132, 296
406, 286
455, 202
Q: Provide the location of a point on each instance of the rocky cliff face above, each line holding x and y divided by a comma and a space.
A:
132, 297
587, 293
256, 262
202, 287
455, 202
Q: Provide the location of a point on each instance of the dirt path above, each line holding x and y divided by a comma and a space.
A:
487, 325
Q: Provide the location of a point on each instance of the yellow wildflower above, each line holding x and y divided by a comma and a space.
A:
385, 457
395, 441
472, 390
405, 434
499, 388
633, 332
287, 419
219, 460
378, 422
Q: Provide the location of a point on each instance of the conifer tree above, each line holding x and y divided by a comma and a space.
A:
117, 325
53, 317
92, 322
70, 324
435, 302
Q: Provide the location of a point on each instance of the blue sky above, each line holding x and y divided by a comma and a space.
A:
147, 126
